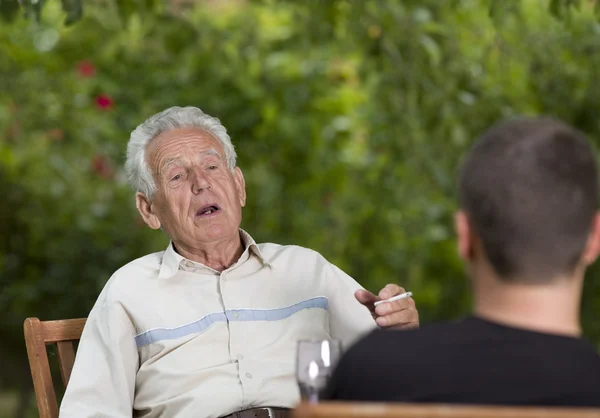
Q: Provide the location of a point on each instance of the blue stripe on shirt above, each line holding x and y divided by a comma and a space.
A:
159, 334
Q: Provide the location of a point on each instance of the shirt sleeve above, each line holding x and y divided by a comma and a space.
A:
348, 319
102, 383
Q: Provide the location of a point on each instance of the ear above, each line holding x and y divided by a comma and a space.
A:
464, 235
144, 207
592, 246
240, 184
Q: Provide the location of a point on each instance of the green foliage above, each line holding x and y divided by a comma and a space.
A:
9, 9
349, 117
74, 8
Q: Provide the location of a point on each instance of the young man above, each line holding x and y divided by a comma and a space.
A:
527, 230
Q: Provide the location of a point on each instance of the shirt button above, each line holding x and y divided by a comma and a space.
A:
240, 357
236, 316
249, 375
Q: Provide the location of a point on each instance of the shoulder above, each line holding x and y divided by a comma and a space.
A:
272, 249
364, 362
375, 354
382, 343
127, 280
148, 266
276, 253
301, 260
581, 352
379, 340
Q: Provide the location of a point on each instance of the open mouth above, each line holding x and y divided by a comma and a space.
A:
208, 210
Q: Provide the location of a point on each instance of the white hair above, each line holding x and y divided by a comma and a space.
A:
138, 172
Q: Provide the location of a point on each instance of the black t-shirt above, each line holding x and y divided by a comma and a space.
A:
470, 362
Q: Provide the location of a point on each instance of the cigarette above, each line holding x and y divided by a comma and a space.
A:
395, 298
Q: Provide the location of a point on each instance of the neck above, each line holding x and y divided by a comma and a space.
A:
218, 256
551, 308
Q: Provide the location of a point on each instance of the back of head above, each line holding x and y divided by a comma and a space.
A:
529, 188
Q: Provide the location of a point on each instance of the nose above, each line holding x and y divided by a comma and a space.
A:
200, 182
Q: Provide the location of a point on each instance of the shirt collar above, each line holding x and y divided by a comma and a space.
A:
172, 261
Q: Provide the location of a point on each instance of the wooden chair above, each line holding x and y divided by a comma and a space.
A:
398, 410
38, 334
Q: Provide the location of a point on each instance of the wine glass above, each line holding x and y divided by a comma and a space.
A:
315, 361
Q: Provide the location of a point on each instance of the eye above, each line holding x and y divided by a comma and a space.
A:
176, 177
212, 167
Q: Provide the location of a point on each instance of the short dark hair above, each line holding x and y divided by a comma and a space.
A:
529, 188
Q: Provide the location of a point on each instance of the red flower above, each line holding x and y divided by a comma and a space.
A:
104, 102
102, 167
86, 69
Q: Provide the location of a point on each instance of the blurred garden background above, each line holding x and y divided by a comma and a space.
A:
349, 118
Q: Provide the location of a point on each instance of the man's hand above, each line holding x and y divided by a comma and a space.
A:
400, 314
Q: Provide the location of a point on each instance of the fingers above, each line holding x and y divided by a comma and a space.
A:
399, 314
391, 290
366, 298
395, 306
404, 319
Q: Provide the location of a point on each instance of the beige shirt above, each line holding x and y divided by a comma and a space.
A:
170, 337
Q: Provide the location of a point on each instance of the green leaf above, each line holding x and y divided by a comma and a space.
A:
500, 10
73, 9
142, 7
9, 9
432, 48
561, 9
556, 8
33, 9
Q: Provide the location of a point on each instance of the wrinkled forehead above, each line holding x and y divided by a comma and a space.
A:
184, 145
189, 158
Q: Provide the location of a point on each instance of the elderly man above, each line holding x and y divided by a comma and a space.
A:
528, 228
209, 326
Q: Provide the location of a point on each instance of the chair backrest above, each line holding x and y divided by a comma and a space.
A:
391, 410
37, 335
